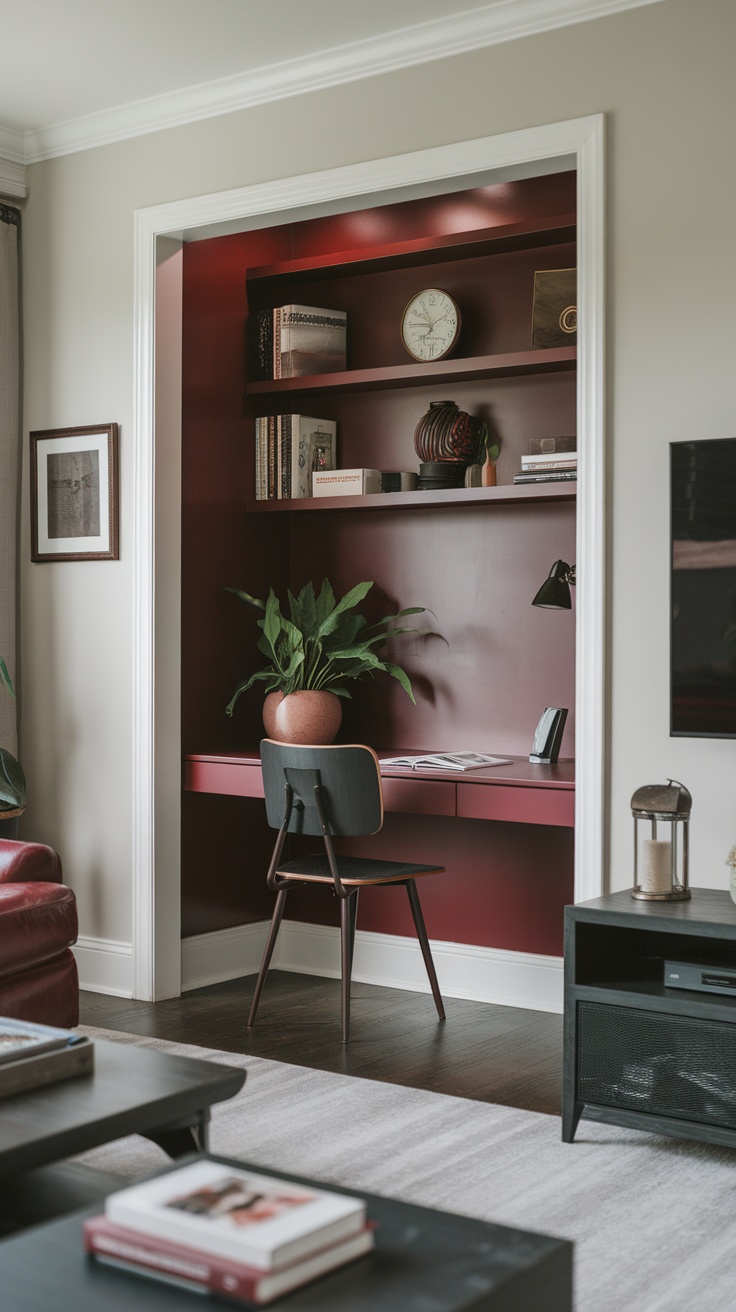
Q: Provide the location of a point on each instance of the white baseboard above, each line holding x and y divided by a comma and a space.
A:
223, 954
105, 966
494, 975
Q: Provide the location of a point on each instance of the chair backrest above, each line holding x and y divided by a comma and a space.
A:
349, 780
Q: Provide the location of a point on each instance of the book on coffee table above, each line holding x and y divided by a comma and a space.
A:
181, 1264
23, 1038
34, 1055
255, 1220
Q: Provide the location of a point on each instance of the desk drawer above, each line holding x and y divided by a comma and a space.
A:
528, 806
229, 777
419, 796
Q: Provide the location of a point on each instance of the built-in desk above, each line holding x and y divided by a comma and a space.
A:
521, 792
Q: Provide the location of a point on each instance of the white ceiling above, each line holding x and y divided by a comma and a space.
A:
62, 59
75, 73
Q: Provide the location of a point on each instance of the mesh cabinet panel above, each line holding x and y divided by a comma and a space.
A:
650, 1062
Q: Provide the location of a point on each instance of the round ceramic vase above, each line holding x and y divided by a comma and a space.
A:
302, 717
732, 884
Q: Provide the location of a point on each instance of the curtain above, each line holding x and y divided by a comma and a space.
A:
9, 457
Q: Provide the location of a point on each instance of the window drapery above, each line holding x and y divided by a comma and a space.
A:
9, 456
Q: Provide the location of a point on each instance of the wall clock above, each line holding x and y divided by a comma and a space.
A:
431, 324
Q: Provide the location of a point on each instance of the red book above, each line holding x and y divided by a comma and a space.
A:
180, 1264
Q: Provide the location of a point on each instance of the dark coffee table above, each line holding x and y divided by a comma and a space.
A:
132, 1091
423, 1259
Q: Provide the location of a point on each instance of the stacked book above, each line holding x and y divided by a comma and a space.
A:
34, 1055
293, 340
219, 1229
289, 449
550, 459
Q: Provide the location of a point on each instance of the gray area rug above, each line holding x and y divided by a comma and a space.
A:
650, 1217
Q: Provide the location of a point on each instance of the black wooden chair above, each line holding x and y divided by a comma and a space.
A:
334, 792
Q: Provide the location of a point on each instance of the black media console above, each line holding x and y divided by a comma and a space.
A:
637, 1052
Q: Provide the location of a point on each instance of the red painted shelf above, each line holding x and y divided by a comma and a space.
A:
517, 493
403, 254
514, 364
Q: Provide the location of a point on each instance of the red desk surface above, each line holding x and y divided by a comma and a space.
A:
520, 791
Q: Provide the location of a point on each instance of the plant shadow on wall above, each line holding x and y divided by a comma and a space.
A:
12, 779
322, 646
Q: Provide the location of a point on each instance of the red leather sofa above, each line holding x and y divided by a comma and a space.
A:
38, 925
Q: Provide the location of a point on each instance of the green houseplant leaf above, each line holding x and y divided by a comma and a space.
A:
324, 644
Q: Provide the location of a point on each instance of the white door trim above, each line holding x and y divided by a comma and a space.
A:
576, 143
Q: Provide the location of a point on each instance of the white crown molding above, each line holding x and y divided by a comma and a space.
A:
504, 20
12, 163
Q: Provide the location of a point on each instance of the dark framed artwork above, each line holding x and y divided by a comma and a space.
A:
74, 493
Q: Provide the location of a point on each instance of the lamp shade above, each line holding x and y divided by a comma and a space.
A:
554, 593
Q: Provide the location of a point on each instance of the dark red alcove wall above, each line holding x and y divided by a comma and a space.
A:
483, 682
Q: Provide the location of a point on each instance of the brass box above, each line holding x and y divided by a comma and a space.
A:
555, 313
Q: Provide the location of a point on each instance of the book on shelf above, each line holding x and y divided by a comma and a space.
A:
288, 449
346, 482
546, 476
548, 466
260, 346
237, 1214
308, 340
184, 1265
446, 761
544, 446
293, 340
558, 460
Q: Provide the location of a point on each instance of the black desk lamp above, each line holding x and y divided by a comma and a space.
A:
554, 593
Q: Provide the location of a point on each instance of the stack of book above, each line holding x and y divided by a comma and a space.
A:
289, 449
218, 1229
550, 459
293, 340
34, 1055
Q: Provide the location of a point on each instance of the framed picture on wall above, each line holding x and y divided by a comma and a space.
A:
74, 493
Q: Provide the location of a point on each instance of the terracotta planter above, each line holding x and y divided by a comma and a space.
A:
302, 717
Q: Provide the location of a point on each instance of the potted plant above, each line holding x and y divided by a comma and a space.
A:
313, 655
12, 779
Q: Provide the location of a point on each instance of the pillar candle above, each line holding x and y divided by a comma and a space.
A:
656, 866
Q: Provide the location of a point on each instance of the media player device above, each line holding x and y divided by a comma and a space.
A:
704, 977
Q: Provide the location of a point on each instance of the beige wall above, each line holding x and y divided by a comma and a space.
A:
663, 75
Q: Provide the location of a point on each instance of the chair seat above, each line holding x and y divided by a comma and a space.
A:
355, 870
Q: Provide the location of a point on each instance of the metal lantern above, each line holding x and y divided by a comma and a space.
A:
661, 822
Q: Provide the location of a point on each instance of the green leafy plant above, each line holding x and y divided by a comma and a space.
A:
12, 779
324, 644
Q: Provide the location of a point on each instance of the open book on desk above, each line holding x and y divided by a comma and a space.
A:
446, 761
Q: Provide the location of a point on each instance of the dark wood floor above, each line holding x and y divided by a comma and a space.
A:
493, 1054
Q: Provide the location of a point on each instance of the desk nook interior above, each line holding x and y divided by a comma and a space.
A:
474, 557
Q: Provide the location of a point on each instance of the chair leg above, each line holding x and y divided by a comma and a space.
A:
353, 921
278, 912
348, 913
416, 912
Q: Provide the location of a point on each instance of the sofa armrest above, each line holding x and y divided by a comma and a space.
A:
22, 863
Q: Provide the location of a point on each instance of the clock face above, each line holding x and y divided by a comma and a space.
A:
430, 326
